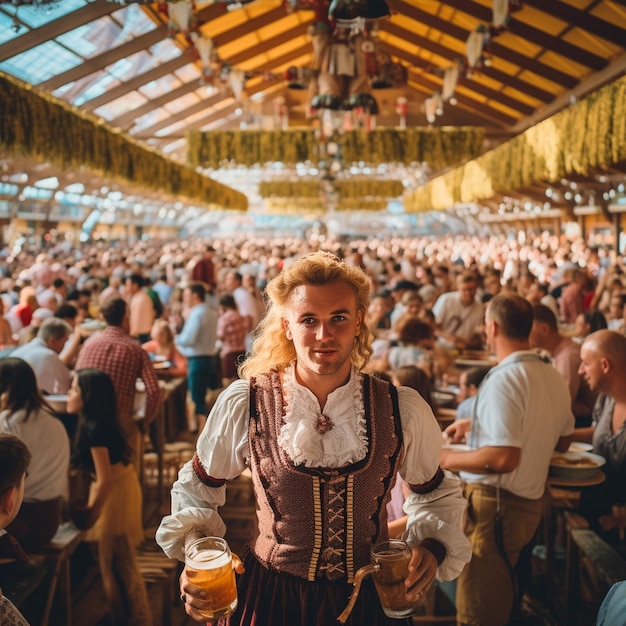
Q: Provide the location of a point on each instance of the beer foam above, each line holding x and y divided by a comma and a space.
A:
208, 559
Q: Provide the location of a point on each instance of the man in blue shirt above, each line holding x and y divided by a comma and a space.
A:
197, 342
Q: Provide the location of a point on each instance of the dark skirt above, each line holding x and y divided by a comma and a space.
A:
267, 598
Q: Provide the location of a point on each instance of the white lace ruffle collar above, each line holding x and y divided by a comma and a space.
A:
300, 436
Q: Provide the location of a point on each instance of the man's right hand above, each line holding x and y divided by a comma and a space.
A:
457, 430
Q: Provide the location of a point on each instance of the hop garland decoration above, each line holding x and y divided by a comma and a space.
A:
589, 134
38, 125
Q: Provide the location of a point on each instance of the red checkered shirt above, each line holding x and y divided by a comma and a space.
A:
232, 329
114, 352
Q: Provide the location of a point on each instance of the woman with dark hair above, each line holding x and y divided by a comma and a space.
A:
112, 512
588, 322
25, 413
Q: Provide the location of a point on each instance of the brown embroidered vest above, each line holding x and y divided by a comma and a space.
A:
316, 522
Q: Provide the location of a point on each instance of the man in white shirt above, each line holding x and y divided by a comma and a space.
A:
42, 354
506, 468
246, 303
460, 314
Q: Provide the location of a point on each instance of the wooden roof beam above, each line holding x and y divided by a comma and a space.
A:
507, 79
196, 108
521, 60
530, 33
581, 19
130, 116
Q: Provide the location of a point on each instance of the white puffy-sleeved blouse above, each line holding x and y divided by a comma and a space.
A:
222, 449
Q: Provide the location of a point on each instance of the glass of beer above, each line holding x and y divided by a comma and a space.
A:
209, 564
391, 567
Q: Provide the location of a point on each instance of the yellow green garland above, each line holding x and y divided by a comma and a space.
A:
358, 189
439, 147
37, 125
589, 134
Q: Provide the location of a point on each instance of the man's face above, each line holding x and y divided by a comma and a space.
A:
591, 367
467, 292
323, 322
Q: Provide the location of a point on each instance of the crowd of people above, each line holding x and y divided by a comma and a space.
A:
305, 340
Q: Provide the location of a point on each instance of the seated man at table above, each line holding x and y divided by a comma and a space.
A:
42, 354
565, 356
460, 314
603, 365
14, 460
505, 470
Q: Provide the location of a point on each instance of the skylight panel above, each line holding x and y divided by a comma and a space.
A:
122, 105
165, 50
91, 39
28, 65
159, 87
34, 16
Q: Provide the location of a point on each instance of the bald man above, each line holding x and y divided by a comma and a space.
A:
603, 364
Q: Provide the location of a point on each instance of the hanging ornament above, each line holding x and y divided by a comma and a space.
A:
450, 80
206, 53
402, 109
433, 107
474, 46
236, 82
281, 118
181, 17
500, 14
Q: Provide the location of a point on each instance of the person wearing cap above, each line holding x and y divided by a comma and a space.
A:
42, 354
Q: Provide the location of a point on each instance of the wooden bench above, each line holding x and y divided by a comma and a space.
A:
33, 586
592, 566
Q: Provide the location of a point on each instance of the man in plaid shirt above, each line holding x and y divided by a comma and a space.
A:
114, 352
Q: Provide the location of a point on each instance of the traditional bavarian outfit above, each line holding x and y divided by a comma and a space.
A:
322, 479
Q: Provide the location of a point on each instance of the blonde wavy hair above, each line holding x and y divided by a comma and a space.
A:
270, 348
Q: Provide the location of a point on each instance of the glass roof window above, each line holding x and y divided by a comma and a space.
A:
35, 16
122, 105
161, 86
90, 39
134, 20
28, 65
9, 29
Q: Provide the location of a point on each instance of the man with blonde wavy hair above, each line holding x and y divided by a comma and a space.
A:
324, 442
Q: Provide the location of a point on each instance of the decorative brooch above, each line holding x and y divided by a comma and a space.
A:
324, 424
